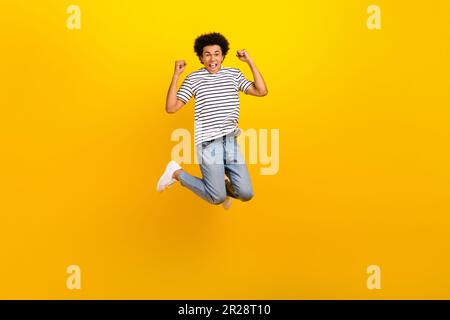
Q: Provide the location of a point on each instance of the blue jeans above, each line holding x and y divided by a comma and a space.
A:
218, 158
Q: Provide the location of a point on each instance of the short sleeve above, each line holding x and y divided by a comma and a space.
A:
185, 92
243, 84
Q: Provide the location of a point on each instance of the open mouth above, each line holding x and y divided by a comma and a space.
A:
213, 65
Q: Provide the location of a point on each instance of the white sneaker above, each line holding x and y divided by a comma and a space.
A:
166, 179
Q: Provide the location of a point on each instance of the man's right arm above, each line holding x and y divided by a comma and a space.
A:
172, 103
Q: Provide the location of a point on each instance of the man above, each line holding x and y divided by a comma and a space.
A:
216, 91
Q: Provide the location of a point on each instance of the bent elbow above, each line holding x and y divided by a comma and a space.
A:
170, 109
263, 93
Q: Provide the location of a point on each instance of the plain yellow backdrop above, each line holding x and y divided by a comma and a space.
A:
364, 175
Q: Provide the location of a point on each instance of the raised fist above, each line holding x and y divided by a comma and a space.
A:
179, 66
243, 55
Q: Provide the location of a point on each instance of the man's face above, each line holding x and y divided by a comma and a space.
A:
212, 58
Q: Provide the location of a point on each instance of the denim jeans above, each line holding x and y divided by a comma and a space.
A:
218, 158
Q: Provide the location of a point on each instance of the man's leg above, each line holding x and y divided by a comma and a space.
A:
211, 187
240, 185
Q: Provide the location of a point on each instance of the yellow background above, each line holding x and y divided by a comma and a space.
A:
364, 152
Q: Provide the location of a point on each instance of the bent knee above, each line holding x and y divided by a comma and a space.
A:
246, 195
218, 198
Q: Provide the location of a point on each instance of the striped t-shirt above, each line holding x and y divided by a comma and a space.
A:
216, 101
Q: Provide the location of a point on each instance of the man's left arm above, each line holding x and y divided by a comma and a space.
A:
259, 88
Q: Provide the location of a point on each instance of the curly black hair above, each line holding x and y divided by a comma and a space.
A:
208, 40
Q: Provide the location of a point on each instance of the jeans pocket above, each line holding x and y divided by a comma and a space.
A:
205, 144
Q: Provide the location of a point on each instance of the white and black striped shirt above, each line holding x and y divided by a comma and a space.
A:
216, 101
